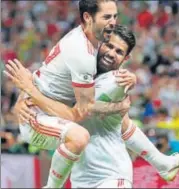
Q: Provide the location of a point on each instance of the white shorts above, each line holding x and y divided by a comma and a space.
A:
119, 183
46, 132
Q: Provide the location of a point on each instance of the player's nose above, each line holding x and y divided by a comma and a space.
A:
111, 54
112, 22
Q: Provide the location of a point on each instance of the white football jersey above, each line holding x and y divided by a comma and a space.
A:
105, 157
72, 62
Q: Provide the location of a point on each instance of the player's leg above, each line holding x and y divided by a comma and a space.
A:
71, 139
120, 183
74, 140
138, 142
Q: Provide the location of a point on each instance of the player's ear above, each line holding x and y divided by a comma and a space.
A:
87, 17
127, 57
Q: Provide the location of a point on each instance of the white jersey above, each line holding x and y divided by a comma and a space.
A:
72, 62
105, 157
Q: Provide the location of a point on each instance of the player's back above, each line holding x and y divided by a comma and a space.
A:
73, 55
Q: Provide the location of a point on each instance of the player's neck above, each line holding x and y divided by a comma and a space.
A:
92, 39
90, 36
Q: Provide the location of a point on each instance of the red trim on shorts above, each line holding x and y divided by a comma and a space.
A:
61, 152
83, 85
50, 128
49, 131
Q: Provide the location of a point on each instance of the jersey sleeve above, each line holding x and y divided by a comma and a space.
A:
82, 67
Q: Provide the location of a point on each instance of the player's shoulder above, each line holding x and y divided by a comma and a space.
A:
74, 38
77, 43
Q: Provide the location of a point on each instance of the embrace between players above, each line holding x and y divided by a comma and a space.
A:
77, 104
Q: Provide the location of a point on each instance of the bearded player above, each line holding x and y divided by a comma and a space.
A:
105, 162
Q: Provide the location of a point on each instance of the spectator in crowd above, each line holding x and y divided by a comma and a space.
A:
163, 144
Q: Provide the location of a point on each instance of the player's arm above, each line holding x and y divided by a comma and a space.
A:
108, 108
84, 93
22, 79
87, 105
52, 107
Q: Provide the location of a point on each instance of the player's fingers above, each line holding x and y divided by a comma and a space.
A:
10, 69
29, 102
7, 74
127, 88
123, 84
124, 75
29, 111
121, 80
120, 71
23, 119
26, 115
18, 63
13, 65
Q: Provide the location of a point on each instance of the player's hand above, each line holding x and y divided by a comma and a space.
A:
125, 78
18, 74
80, 115
23, 111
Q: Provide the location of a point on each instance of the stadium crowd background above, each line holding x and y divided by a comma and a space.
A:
31, 28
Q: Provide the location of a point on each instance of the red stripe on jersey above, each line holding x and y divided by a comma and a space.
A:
82, 85
90, 47
55, 51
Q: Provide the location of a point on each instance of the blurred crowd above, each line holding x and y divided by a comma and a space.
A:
31, 28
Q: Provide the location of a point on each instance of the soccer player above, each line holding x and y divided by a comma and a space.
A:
105, 162
102, 167
67, 76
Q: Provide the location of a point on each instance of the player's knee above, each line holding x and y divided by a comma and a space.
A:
78, 137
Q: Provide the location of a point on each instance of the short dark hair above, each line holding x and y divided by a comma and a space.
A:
126, 34
90, 6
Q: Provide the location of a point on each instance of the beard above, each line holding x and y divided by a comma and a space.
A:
101, 67
104, 33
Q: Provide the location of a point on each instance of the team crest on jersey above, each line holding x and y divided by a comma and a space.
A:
87, 76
